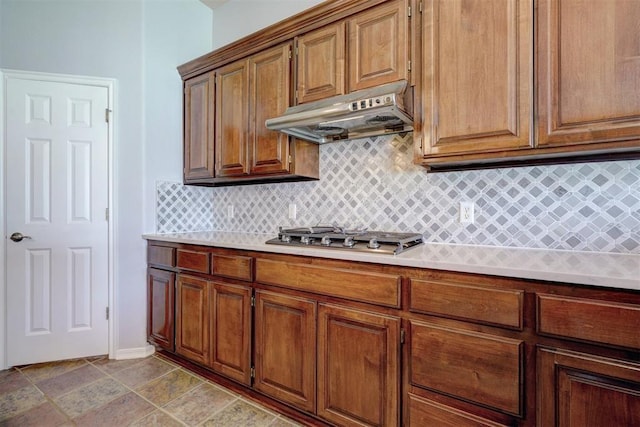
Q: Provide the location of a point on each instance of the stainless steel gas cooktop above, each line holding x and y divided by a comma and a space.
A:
330, 237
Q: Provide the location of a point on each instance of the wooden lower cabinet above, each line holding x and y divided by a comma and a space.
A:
581, 390
192, 319
358, 367
161, 286
424, 412
230, 316
285, 348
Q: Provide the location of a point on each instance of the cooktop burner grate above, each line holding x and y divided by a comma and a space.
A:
331, 237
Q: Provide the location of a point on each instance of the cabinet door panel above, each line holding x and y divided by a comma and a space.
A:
199, 107
285, 348
192, 319
230, 313
232, 109
321, 63
477, 75
358, 367
378, 47
579, 390
478, 367
588, 71
270, 94
424, 412
161, 291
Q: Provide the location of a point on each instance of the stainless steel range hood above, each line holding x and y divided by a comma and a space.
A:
369, 112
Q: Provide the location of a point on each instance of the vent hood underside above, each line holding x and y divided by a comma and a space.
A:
369, 112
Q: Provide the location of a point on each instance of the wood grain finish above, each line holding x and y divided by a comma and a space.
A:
161, 256
285, 348
599, 321
576, 389
478, 367
477, 304
588, 58
192, 319
321, 63
230, 314
425, 412
358, 367
199, 106
269, 96
378, 48
232, 120
477, 76
193, 260
161, 305
376, 288
232, 266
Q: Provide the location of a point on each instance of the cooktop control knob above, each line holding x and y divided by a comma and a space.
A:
326, 241
348, 242
285, 238
306, 240
373, 244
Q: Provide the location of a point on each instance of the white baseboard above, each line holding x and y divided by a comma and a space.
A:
135, 353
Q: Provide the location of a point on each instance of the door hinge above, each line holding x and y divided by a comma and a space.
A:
253, 372
401, 336
106, 114
106, 312
253, 301
106, 214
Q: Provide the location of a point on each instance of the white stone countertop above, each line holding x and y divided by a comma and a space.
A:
583, 268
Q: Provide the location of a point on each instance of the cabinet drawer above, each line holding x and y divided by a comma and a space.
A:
425, 412
376, 288
234, 267
161, 255
477, 367
193, 260
482, 305
599, 321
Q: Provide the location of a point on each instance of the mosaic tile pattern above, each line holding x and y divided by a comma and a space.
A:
373, 183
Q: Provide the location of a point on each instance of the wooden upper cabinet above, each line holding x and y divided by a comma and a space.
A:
588, 64
231, 113
477, 76
320, 63
199, 108
269, 96
378, 48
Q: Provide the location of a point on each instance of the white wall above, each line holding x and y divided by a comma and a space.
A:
139, 43
253, 16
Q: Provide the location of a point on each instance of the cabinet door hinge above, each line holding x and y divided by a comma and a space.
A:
106, 114
420, 7
401, 336
290, 54
106, 312
409, 11
253, 301
253, 372
290, 159
409, 65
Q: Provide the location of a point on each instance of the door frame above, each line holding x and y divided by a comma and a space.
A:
110, 85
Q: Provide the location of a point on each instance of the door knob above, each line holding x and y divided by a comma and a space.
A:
17, 237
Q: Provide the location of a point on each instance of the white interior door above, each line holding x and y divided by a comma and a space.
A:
57, 194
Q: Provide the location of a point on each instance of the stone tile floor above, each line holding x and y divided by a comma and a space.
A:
139, 392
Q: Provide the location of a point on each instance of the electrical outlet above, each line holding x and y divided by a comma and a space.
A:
293, 211
231, 211
467, 211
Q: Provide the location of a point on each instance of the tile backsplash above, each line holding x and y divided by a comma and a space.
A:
373, 183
